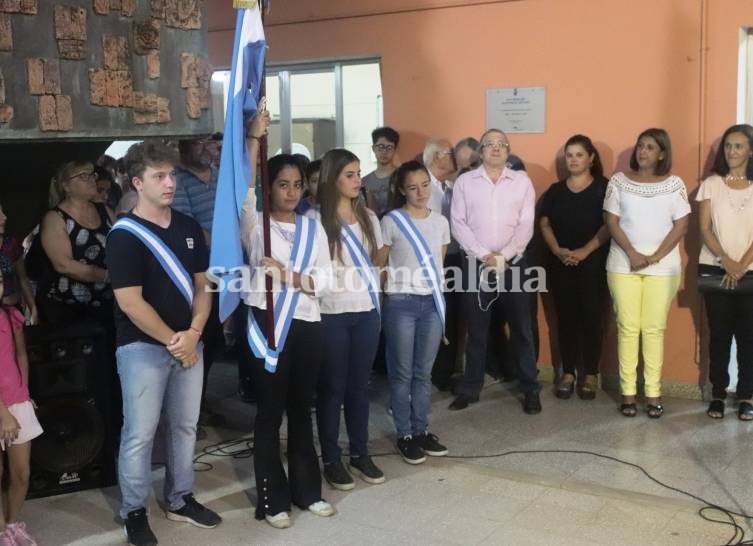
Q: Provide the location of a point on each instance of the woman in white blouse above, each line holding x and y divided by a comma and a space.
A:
414, 308
726, 221
646, 211
285, 384
351, 320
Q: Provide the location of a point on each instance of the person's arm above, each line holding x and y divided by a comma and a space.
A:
9, 427
580, 254
132, 303
461, 230
637, 260
551, 240
22, 357
678, 231
57, 246
183, 344
27, 295
523, 232
732, 267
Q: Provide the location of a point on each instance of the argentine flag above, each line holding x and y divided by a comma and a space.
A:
235, 168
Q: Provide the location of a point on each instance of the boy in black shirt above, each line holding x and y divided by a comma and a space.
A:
157, 258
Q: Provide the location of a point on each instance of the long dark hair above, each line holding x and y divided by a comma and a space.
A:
333, 164
397, 182
596, 168
720, 162
662, 139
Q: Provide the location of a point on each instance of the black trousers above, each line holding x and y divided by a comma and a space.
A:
289, 389
579, 294
730, 315
444, 364
213, 340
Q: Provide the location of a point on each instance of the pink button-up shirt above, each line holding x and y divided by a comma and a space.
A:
493, 217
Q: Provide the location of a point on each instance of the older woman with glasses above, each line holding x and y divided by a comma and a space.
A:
73, 235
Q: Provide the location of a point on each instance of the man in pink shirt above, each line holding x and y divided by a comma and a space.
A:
492, 220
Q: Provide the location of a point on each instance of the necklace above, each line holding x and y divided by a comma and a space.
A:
739, 207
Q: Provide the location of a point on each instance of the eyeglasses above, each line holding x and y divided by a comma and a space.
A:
445, 153
90, 175
496, 144
383, 148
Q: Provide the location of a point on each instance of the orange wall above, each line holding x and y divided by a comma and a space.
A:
611, 68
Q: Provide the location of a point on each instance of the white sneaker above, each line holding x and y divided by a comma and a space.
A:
278, 521
322, 508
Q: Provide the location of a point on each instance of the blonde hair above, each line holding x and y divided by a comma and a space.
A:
63, 174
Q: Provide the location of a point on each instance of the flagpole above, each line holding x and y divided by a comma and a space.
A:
266, 207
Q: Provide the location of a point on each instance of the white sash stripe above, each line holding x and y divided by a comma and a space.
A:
363, 263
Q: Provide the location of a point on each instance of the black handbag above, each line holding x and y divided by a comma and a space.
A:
710, 280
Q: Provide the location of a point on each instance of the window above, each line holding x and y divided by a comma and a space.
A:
317, 106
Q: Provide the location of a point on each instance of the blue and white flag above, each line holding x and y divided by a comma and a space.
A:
363, 263
246, 78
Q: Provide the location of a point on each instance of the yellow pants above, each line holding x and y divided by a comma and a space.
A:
641, 303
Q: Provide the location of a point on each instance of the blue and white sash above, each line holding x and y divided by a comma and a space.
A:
425, 259
182, 279
363, 263
300, 257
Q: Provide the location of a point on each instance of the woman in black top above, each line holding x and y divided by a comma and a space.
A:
73, 235
573, 227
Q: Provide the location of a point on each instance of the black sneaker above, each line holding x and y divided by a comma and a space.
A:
364, 468
430, 444
338, 477
137, 529
411, 450
195, 513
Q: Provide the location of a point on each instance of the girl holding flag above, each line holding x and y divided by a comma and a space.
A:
350, 319
414, 310
285, 378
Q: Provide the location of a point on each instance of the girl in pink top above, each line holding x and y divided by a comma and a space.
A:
18, 423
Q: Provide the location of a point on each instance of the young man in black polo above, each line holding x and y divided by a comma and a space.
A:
157, 259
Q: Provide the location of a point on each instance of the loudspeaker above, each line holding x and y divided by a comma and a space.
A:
72, 379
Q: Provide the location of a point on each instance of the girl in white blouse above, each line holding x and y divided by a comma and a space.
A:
646, 211
726, 221
351, 320
300, 267
414, 309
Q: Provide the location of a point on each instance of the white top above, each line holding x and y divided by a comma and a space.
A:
349, 293
437, 194
282, 236
405, 274
647, 212
731, 219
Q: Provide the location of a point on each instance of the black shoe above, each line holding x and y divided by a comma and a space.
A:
208, 418
137, 529
532, 403
462, 401
246, 391
430, 444
364, 468
411, 450
195, 513
338, 477
443, 386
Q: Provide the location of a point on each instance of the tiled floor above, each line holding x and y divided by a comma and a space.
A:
518, 499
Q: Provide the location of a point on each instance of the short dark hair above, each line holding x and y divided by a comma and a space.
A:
147, 154
385, 132
313, 167
103, 173
720, 162
596, 168
662, 139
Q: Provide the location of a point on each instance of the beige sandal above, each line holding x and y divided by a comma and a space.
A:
587, 390
565, 386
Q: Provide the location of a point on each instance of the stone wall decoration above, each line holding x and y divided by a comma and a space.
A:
10, 6
158, 9
70, 32
6, 110
146, 36
188, 71
44, 76
152, 65
97, 86
55, 113
195, 76
116, 51
183, 14
29, 7
101, 7
6, 33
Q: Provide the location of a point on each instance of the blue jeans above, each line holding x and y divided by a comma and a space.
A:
154, 382
414, 331
350, 344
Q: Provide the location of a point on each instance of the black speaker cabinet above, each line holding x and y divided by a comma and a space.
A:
72, 379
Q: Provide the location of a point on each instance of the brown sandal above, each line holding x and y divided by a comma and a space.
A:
565, 386
587, 390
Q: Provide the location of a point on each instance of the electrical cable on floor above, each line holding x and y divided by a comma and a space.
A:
226, 449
